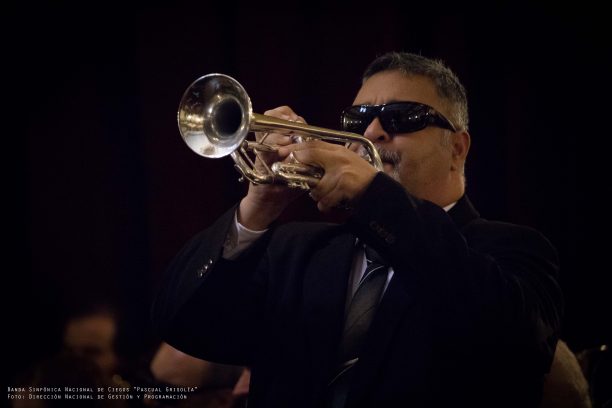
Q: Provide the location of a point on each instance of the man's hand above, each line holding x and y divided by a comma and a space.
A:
346, 173
265, 202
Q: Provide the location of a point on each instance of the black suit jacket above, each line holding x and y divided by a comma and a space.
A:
470, 317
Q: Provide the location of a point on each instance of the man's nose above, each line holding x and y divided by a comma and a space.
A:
376, 133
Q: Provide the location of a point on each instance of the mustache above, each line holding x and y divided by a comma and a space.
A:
388, 155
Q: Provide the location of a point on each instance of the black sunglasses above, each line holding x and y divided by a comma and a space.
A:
396, 117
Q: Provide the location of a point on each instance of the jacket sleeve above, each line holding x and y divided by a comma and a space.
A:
207, 306
486, 283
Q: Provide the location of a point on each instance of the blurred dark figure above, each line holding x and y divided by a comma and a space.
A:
565, 386
65, 369
596, 364
92, 333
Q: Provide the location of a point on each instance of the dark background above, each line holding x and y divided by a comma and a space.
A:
100, 191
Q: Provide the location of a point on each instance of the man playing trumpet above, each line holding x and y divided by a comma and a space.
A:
414, 301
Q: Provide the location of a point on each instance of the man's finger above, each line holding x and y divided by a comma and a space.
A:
312, 152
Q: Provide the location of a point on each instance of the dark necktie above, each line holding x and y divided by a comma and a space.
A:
357, 322
363, 306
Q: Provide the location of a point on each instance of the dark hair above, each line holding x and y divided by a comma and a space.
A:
444, 79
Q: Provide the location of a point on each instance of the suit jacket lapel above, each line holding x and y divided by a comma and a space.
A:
398, 298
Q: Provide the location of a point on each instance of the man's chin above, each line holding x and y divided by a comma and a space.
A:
392, 171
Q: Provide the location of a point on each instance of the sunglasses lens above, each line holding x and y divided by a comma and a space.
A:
404, 117
396, 117
356, 119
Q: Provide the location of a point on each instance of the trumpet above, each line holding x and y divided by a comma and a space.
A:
215, 118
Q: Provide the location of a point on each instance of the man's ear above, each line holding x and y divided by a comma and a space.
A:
460, 145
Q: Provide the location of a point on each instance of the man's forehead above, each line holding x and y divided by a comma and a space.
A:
395, 86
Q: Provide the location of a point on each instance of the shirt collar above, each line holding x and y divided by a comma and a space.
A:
448, 207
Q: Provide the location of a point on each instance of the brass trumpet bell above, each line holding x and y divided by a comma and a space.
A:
215, 116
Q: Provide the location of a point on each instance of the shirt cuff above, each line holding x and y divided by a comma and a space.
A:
238, 239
